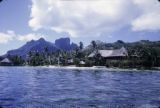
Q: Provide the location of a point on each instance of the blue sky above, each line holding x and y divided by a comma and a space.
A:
81, 20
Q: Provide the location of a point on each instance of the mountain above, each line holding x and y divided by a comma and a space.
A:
73, 46
64, 44
40, 46
1, 58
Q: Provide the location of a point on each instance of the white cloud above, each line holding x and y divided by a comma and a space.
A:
149, 19
94, 17
6, 37
150, 22
29, 37
80, 17
12, 36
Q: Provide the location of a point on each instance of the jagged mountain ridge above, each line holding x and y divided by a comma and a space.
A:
64, 44
40, 45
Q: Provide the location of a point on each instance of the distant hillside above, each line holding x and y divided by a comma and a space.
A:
1, 58
64, 44
141, 54
40, 46
133, 48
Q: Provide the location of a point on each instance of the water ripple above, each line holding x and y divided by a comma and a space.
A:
24, 87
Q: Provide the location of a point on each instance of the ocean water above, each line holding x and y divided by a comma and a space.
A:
35, 87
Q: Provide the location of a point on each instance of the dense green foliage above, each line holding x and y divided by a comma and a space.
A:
17, 60
142, 54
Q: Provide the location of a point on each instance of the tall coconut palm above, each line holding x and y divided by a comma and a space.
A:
94, 45
81, 45
47, 55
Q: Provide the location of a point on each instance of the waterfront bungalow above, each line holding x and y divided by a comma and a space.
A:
82, 63
110, 54
70, 61
6, 62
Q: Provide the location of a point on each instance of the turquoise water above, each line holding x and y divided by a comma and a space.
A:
24, 87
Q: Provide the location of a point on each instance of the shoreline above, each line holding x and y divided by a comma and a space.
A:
90, 68
97, 68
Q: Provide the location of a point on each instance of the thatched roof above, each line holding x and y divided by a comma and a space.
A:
6, 60
82, 63
111, 53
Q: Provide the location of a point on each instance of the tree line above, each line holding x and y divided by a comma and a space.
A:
141, 54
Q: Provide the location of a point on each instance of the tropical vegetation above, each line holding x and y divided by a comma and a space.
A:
141, 54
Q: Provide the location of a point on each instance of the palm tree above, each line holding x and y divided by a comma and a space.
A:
29, 57
46, 51
80, 45
94, 45
47, 55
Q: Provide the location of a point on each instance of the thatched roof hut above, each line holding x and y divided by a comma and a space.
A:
6, 62
110, 53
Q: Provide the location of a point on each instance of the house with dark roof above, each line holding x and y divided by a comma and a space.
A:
110, 54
